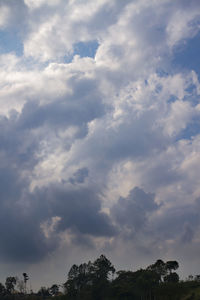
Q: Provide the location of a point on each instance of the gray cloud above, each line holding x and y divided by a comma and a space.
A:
176, 223
79, 176
65, 112
21, 236
132, 211
79, 209
188, 234
22, 215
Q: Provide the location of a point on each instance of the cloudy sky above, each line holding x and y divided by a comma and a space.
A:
99, 135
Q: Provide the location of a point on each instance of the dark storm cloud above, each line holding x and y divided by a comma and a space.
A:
23, 213
138, 215
178, 223
21, 237
21, 232
132, 212
79, 209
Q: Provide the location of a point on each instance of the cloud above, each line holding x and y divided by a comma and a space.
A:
79, 209
65, 112
132, 212
63, 28
188, 234
183, 25
52, 210
38, 3
79, 176
4, 16
22, 139
21, 239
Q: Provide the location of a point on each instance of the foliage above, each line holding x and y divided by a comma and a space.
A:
172, 277
54, 290
94, 281
10, 284
89, 279
44, 292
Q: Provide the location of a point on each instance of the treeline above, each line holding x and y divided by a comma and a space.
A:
99, 280
16, 289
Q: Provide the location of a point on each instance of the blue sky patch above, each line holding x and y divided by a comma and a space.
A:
86, 49
10, 42
83, 49
187, 55
192, 129
172, 99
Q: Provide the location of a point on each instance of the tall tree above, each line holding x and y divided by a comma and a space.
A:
2, 290
103, 268
89, 278
172, 265
26, 278
10, 284
72, 284
44, 292
159, 267
172, 277
54, 290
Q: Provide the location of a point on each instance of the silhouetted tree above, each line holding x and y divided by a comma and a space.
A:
44, 292
72, 284
159, 267
2, 290
54, 290
91, 281
135, 285
171, 265
26, 278
102, 268
10, 284
89, 278
172, 277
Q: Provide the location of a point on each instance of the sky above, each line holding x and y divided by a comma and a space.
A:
99, 135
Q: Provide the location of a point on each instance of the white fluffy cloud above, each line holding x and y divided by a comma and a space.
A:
33, 4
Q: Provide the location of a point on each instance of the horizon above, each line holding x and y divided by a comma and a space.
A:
29, 289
